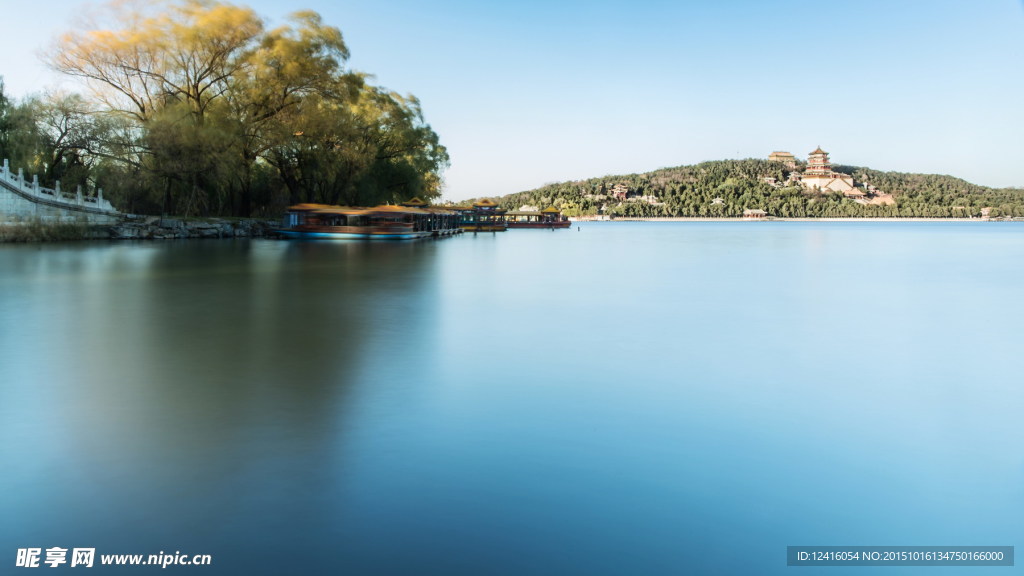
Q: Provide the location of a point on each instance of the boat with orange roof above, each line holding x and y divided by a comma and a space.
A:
415, 219
483, 216
548, 218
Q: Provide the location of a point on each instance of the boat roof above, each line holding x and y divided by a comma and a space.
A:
308, 207
351, 211
551, 210
388, 208
345, 210
450, 209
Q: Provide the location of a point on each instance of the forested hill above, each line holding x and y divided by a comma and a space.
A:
725, 188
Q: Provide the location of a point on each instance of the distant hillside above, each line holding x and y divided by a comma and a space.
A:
725, 188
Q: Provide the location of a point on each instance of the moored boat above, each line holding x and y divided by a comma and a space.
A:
319, 221
482, 216
438, 220
549, 218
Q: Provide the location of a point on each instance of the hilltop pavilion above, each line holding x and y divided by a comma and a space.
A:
819, 175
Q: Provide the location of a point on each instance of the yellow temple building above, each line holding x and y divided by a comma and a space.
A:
785, 157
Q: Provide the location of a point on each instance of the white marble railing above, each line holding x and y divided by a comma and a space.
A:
53, 196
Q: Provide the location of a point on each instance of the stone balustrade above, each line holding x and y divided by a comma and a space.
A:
22, 199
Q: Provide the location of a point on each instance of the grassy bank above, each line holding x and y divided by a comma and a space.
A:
43, 232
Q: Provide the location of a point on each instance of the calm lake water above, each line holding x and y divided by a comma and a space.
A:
627, 398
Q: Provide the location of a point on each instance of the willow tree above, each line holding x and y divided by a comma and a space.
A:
371, 148
20, 138
299, 61
205, 98
408, 157
67, 130
158, 59
140, 55
5, 122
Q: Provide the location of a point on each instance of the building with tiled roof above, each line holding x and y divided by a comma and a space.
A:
820, 176
785, 157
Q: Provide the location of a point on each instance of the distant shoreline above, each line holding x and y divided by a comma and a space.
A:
774, 219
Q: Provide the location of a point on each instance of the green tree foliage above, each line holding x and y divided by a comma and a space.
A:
5, 122
374, 147
65, 126
195, 107
20, 137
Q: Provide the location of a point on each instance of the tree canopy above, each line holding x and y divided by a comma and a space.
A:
199, 107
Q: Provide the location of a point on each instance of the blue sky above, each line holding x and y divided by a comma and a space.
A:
530, 92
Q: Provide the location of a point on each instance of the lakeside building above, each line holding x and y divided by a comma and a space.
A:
819, 174
785, 157
549, 217
620, 192
483, 216
754, 214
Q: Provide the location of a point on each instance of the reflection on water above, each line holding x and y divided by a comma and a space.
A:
176, 394
619, 399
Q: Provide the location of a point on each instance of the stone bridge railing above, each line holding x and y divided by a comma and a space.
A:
21, 199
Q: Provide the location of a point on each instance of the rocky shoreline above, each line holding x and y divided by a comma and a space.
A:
157, 228
138, 228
